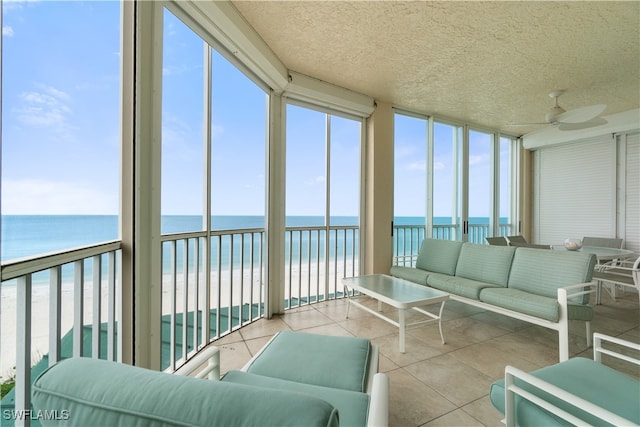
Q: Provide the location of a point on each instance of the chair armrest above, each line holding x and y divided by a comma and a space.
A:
598, 349
576, 290
379, 402
196, 367
511, 390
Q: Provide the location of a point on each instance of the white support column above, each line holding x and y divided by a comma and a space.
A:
147, 274
275, 215
127, 188
206, 197
378, 187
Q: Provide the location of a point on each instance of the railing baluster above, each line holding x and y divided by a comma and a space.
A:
308, 263
23, 348
196, 291
219, 286
231, 281
97, 306
172, 306
185, 297
111, 305
78, 308
318, 249
241, 303
55, 313
300, 268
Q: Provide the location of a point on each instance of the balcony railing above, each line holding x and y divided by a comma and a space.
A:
408, 238
197, 307
212, 285
316, 259
76, 291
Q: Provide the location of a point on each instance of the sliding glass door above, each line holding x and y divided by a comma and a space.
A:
464, 180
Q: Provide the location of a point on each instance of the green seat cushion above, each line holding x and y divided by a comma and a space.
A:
328, 361
352, 406
522, 302
580, 312
484, 263
439, 256
408, 273
589, 380
97, 392
543, 272
458, 285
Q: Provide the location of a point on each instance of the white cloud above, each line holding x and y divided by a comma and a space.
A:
38, 196
420, 165
478, 159
7, 31
318, 180
439, 166
46, 108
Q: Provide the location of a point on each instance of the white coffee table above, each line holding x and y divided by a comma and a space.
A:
399, 293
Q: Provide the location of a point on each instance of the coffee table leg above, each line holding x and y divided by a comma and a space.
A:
346, 292
440, 321
402, 328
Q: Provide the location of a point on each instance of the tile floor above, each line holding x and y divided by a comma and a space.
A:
434, 384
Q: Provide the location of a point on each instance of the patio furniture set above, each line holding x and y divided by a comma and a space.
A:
545, 288
315, 380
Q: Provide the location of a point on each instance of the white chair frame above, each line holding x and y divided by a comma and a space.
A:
621, 273
511, 389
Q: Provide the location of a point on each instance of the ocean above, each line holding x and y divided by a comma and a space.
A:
29, 235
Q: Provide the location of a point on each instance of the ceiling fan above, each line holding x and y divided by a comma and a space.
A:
579, 118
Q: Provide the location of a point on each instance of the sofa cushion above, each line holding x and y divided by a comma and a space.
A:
408, 273
485, 263
584, 378
522, 302
95, 391
352, 406
328, 361
543, 272
458, 285
439, 256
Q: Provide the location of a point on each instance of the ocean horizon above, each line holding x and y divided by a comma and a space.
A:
31, 235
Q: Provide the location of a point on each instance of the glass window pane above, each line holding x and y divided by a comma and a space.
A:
410, 170
480, 185
238, 132
306, 166
60, 125
505, 191
182, 124
446, 191
345, 171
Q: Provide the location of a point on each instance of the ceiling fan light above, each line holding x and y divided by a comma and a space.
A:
552, 115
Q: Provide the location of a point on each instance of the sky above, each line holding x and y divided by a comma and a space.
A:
60, 128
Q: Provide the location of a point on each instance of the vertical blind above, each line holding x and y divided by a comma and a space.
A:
575, 190
631, 185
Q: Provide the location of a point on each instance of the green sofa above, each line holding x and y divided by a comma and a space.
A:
544, 287
296, 379
578, 391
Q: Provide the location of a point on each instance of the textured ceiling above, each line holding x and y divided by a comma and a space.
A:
486, 63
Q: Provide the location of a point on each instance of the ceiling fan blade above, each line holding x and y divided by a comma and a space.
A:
598, 121
526, 124
580, 115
